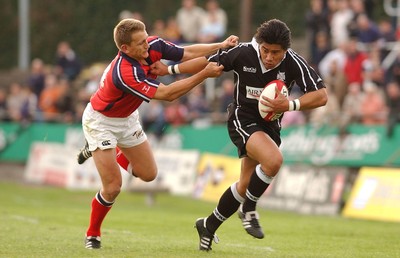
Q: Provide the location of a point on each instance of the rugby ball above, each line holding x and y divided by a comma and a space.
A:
269, 92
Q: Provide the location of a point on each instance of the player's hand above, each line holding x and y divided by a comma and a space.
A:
230, 41
159, 69
278, 105
213, 69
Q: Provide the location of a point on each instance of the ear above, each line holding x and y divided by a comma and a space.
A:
124, 48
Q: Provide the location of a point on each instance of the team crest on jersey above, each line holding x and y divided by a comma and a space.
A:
146, 89
281, 76
249, 69
253, 93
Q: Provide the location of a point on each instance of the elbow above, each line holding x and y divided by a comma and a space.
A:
170, 97
324, 100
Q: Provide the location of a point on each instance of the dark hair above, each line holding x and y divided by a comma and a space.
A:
274, 32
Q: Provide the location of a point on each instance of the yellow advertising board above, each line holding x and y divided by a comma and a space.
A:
215, 174
375, 195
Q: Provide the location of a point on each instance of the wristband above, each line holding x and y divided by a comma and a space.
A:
170, 69
294, 105
173, 69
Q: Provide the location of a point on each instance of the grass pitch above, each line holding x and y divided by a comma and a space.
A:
50, 222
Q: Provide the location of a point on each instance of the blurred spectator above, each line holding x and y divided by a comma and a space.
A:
328, 114
189, 18
336, 81
355, 59
358, 8
197, 104
3, 106
339, 22
224, 98
176, 113
372, 69
321, 50
153, 118
68, 63
337, 55
126, 14
65, 103
317, 22
213, 27
351, 109
30, 106
367, 32
172, 32
393, 100
373, 106
50, 97
158, 28
15, 102
36, 76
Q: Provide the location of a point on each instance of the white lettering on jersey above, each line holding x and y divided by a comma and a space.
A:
252, 92
249, 69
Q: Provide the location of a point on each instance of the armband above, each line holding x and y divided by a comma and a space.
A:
294, 105
173, 69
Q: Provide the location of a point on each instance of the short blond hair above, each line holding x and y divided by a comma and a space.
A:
124, 29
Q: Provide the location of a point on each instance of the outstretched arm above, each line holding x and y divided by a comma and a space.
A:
198, 50
188, 67
179, 88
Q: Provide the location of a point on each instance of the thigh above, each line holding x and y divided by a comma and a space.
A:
142, 160
262, 148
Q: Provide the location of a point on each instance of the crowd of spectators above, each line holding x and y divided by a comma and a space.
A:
346, 46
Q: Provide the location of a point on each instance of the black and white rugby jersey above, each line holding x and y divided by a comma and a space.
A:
251, 76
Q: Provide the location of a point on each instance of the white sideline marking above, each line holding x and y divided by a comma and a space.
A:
265, 248
25, 219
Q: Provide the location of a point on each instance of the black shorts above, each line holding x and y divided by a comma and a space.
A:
242, 124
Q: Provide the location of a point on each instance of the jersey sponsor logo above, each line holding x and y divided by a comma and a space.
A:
253, 93
106, 143
249, 69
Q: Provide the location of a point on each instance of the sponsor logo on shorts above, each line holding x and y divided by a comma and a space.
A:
106, 143
250, 125
138, 134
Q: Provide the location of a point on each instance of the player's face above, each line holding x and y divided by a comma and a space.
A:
271, 54
138, 48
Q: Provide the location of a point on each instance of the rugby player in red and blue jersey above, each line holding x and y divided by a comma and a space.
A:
111, 118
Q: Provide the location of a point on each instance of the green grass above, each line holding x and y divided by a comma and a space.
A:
51, 222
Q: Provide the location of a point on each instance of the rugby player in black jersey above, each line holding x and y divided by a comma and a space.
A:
254, 64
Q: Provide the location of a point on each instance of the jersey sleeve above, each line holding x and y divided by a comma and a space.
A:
163, 49
226, 58
132, 80
304, 75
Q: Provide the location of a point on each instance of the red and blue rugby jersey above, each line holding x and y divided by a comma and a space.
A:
126, 83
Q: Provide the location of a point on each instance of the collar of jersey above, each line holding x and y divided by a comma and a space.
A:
256, 47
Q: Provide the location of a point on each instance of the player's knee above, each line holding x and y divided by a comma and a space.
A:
112, 191
272, 166
149, 176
